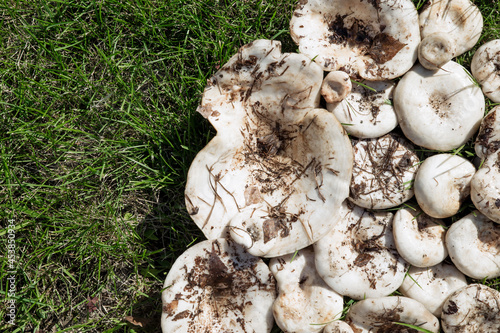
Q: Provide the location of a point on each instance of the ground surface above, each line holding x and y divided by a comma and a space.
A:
97, 131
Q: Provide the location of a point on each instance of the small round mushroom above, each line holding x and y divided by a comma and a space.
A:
305, 302
459, 21
441, 109
435, 50
338, 326
472, 309
215, 286
485, 187
336, 86
432, 285
374, 40
485, 67
386, 314
488, 138
473, 244
442, 184
367, 112
419, 238
383, 171
358, 257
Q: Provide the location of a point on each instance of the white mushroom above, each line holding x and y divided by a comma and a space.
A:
215, 286
435, 50
442, 184
278, 169
338, 326
441, 109
472, 309
485, 187
485, 67
358, 257
305, 302
336, 86
367, 112
488, 138
419, 238
387, 314
459, 24
432, 285
373, 40
384, 169
473, 244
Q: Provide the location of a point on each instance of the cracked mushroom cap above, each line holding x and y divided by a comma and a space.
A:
485, 67
373, 40
432, 285
442, 184
338, 326
441, 109
460, 21
473, 244
304, 301
419, 238
383, 315
367, 112
384, 169
215, 286
488, 138
485, 187
278, 168
472, 309
358, 258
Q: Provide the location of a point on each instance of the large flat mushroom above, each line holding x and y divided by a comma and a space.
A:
215, 286
485, 187
485, 67
373, 40
278, 168
488, 138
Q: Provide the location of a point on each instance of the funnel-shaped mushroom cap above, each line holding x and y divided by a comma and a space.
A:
215, 286
367, 112
485, 67
441, 109
432, 285
278, 169
358, 257
373, 40
419, 238
472, 309
473, 244
383, 315
460, 20
488, 138
485, 187
338, 327
442, 184
383, 171
305, 301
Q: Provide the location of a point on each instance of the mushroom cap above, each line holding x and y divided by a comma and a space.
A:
383, 171
488, 138
473, 244
338, 326
419, 238
358, 257
442, 184
378, 42
304, 301
336, 86
382, 315
485, 187
365, 113
471, 309
485, 67
278, 169
440, 109
435, 50
432, 285
460, 20
215, 286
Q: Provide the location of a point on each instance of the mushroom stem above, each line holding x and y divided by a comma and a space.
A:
435, 50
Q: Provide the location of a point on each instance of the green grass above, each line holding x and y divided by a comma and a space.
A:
97, 131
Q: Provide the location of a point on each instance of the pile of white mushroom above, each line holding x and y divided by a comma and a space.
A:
315, 189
